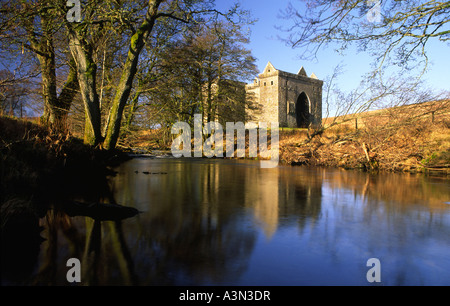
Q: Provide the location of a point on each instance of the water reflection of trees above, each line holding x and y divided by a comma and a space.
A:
200, 217
199, 224
36, 246
401, 189
189, 226
302, 196
20, 241
399, 218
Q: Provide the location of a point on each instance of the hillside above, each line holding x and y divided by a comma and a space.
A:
413, 138
427, 111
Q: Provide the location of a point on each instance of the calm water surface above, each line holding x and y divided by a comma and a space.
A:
220, 222
228, 222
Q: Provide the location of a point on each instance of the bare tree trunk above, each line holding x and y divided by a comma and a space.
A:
128, 73
66, 97
46, 56
55, 108
132, 110
86, 72
47, 62
209, 101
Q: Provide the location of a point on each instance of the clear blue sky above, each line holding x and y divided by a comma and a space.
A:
266, 47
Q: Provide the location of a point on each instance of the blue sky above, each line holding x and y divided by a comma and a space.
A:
266, 47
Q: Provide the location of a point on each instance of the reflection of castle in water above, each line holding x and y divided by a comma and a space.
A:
194, 227
199, 212
273, 195
276, 195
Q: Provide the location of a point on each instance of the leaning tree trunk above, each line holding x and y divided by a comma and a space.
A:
128, 73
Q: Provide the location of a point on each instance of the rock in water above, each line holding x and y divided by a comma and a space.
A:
99, 211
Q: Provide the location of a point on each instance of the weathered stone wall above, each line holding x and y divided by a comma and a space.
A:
277, 92
266, 94
291, 88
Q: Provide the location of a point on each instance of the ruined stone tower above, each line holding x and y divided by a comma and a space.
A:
294, 100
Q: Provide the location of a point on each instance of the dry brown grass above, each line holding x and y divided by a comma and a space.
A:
146, 141
436, 111
414, 138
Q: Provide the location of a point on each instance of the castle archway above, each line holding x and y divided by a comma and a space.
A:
302, 113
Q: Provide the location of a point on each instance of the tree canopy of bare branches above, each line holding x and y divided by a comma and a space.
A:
392, 31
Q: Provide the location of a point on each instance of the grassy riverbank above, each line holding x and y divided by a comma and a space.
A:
44, 178
410, 149
413, 138
38, 168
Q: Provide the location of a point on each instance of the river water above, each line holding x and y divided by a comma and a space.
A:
230, 222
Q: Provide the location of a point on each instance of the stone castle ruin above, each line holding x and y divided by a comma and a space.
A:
293, 100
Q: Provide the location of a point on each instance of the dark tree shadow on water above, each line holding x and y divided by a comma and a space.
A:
65, 217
